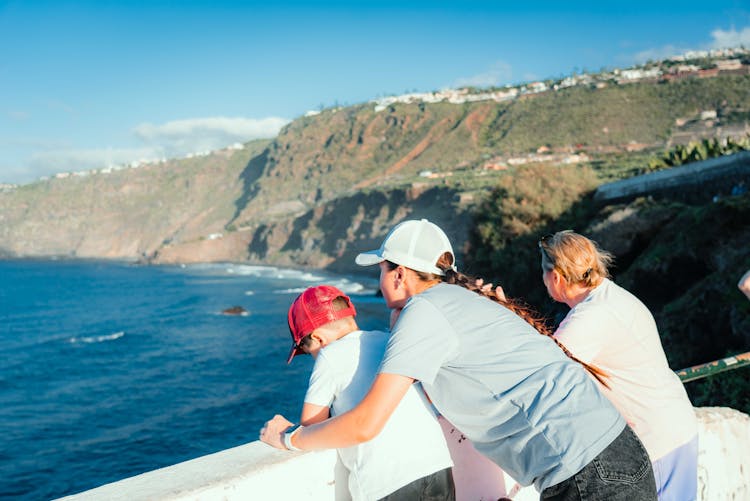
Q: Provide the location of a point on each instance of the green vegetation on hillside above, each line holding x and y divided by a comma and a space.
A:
683, 260
338, 152
612, 116
697, 151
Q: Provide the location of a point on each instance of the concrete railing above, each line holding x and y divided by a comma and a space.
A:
256, 471
722, 170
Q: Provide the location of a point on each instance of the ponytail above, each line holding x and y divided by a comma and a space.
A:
519, 308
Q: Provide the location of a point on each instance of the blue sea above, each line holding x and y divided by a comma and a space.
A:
108, 370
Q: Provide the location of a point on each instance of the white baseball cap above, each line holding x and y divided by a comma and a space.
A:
416, 244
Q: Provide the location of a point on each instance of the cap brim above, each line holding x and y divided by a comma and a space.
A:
293, 353
369, 258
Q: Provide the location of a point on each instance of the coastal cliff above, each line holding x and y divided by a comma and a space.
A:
337, 180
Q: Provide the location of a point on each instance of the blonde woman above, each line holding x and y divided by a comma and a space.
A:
514, 393
609, 328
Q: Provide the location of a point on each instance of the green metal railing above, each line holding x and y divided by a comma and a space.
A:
715, 367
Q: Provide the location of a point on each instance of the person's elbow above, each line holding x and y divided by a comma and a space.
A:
366, 428
366, 434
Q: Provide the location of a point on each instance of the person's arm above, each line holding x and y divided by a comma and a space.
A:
312, 414
360, 424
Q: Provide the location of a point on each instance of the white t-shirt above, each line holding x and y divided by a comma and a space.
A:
612, 330
410, 446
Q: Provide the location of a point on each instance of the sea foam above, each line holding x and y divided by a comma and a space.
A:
97, 339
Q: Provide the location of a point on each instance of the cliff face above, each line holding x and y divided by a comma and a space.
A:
334, 182
126, 214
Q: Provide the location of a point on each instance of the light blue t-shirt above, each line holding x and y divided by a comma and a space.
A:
510, 390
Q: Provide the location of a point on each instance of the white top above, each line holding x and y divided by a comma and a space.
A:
612, 330
411, 445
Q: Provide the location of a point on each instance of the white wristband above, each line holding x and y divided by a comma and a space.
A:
288, 439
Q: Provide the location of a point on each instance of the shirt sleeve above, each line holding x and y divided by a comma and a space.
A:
323, 385
423, 340
580, 333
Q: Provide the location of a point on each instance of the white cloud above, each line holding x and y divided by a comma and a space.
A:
200, 134
657, 53
69, 160
18, 115
169, 140
730, 38
61, 106
62, 159
499, 73
720, 39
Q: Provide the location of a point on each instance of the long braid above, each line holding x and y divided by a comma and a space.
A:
530, 316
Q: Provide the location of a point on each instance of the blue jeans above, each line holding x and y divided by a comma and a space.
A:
436, 487
621, 472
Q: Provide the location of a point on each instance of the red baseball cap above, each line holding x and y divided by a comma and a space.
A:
314, 308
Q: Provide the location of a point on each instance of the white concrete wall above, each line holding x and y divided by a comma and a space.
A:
258, 472
736, 165
254, 471
723, 454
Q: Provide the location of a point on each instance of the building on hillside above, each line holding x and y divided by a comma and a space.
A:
728, 64
708, 73
637, 74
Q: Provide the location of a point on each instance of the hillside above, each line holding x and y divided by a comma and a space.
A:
268, 201
338, 152
124, 214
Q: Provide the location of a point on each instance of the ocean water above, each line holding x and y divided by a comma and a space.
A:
108, 370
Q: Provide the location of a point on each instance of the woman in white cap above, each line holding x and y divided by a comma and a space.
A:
522, 402
610, 327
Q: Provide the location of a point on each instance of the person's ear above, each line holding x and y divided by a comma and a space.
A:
557, 278
399, 276
315, 336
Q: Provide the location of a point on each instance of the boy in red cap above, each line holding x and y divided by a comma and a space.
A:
409, 459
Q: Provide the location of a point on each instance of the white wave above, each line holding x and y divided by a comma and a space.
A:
347, 287
352, 288
97, 339
307, 277
249, 270
273, 272
249, 293
311, 278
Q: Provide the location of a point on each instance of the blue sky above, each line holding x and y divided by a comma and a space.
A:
85, 84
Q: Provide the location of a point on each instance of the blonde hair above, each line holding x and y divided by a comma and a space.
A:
577, 258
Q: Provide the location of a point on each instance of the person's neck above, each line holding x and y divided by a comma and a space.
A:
574, 298
576, 294
346, 330
420, 286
